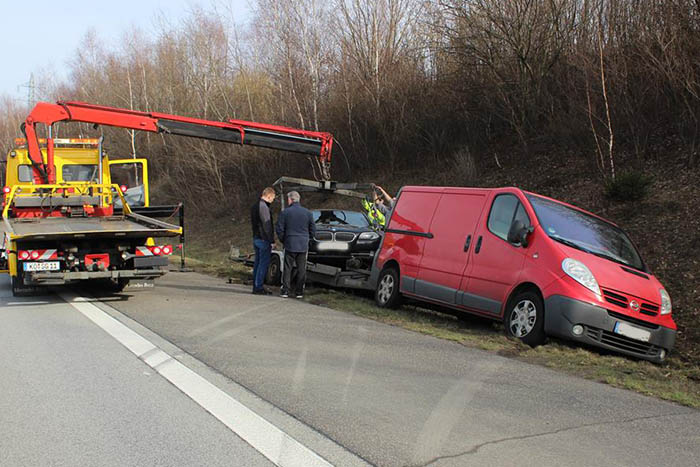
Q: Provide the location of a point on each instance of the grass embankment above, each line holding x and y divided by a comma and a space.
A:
677, 380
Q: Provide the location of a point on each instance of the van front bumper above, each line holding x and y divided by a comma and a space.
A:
563, 313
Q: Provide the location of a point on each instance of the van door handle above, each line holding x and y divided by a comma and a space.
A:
478, 245
467, 243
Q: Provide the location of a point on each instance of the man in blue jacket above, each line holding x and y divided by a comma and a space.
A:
295, 228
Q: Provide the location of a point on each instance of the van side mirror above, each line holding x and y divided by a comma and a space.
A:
518, 233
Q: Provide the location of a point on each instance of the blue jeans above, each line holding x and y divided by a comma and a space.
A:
263, 251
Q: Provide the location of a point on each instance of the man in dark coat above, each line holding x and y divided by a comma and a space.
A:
263, 238
295, 228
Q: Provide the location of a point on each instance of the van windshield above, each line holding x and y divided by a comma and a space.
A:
585, 232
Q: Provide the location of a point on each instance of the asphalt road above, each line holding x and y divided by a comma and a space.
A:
72, 395
391, 396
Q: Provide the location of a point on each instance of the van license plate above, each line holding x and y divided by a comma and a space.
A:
42, 266
332, 246
634, 332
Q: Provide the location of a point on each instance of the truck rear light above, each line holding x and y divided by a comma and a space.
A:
6, 189
158, 250
123, 188
25, 255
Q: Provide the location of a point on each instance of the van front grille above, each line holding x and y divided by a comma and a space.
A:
620, 300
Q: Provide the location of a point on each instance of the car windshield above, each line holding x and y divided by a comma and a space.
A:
338, 217
585, 232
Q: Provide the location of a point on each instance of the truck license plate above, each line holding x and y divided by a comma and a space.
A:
42, 266
634, 332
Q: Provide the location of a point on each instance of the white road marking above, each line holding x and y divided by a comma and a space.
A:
28, 303
266, 438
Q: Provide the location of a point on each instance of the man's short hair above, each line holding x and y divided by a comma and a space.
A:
268, 191
294, 196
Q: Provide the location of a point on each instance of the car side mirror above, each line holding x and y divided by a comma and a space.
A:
518, 233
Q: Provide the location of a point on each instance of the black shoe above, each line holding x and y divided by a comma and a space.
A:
284, 294
258, 292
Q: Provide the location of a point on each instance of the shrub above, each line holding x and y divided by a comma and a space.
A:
463, 167
628, 186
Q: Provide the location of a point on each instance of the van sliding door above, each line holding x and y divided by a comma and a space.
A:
446, 255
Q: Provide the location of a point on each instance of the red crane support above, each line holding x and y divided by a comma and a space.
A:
314, 143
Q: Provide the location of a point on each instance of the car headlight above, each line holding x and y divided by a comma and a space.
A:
369, 236
665, 302
581, 274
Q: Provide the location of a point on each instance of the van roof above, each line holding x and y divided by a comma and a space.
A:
448, 189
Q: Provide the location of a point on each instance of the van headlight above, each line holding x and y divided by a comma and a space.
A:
665, 302
581, 274
369, 236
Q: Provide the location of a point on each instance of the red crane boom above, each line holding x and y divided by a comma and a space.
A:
313, 143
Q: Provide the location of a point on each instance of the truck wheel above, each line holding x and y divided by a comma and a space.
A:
274, 272
524, 318
388, 294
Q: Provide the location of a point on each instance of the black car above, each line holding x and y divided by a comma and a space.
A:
344, 239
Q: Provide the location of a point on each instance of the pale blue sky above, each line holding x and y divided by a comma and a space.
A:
43, 35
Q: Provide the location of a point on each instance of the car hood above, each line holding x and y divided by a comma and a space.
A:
617, 277
342, 228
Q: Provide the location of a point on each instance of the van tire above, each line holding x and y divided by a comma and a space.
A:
518, 320
387, 294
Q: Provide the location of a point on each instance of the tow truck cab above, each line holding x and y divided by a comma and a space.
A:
82, 226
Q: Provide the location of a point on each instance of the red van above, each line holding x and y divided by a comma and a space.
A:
541, 266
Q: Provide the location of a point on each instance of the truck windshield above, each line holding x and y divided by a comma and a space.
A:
79, 173
585, 232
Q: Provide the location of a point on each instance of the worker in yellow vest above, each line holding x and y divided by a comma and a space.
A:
378, 211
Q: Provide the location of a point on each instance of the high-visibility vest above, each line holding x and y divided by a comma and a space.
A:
375, 215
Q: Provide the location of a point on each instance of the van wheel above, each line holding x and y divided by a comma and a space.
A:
525, 318
387, 294
274, 272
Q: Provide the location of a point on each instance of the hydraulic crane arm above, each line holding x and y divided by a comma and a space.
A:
313, 143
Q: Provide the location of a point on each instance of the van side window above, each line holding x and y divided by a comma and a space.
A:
24, 173
506, 209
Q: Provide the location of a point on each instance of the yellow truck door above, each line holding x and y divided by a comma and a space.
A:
132, 177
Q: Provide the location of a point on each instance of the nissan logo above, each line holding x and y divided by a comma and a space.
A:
634, 305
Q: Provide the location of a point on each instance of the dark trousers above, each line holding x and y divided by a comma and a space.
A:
263, 251
294, 272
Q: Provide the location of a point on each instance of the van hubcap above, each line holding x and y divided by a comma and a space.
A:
386, 288
522, 318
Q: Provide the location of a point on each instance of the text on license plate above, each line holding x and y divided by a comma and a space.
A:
334, 246
42, 266
631, 331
